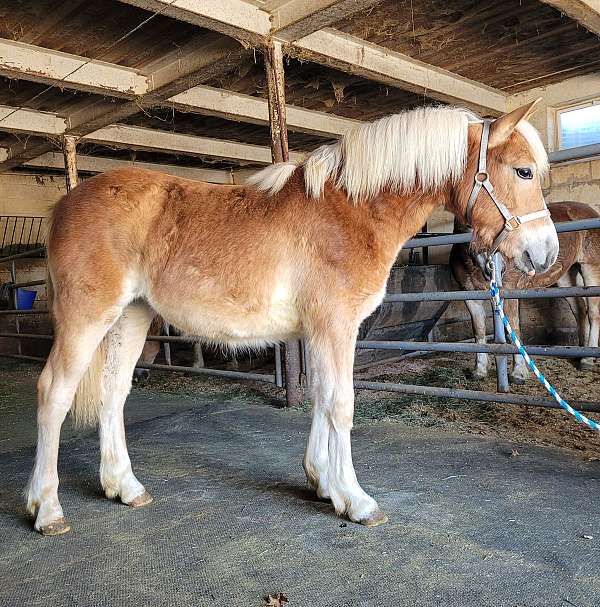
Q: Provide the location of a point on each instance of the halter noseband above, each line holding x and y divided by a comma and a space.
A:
482, 180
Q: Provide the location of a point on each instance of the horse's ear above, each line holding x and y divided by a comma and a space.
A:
502, 127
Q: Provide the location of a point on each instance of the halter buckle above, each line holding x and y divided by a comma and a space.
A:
512, 223
481, 177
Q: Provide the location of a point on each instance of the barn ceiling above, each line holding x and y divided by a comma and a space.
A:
510, 46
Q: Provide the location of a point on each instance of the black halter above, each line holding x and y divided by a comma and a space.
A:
482, 180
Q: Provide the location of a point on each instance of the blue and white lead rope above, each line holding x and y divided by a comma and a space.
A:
498, 309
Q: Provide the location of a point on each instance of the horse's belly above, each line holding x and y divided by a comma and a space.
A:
233, 323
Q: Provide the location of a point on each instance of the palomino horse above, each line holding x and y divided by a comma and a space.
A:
579, 256
300, 251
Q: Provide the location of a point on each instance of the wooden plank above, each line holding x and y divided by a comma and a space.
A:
233, 18
21, 120
190, 67
298, 18
139, 138
273, 56
345, 52
274, 71
70, 160
28, 62
585, 12
96, 164
211, 101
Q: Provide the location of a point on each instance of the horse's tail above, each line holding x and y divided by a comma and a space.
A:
89, 396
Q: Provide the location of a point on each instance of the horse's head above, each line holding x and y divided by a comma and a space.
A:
500, 195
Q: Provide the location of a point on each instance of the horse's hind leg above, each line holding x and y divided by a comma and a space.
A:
591, 277
124, 342
72, 351
578, 306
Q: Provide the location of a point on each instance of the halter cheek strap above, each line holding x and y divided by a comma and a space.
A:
482, 180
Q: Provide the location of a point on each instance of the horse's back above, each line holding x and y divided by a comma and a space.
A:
101, 232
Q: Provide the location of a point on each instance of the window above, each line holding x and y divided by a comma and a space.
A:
579, 126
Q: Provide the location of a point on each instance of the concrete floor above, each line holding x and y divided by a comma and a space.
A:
471, 523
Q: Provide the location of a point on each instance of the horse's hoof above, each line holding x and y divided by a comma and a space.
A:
478, 375
57, 527
517, 381
374, 519
585, 365
141, 500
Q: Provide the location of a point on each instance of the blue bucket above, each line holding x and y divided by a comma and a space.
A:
25, 299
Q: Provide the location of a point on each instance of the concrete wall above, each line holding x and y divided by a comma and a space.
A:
28, 194
579, 181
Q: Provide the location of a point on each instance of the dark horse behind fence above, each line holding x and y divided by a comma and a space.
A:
578, 259
300, 251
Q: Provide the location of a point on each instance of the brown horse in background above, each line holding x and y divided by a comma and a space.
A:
578, 260
300, 251
151, 350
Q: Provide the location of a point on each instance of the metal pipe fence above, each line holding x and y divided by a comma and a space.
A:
497, 349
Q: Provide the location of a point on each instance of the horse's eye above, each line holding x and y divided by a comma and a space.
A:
524, 173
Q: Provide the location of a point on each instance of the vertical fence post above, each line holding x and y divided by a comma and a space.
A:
500, 334
70, 154
273, 56
13, 277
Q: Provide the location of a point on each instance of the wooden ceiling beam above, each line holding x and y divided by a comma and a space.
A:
201, 60
28, 62
298, 18
585, 12
229, 105
97, 164
234, 18
345, 52
139, 138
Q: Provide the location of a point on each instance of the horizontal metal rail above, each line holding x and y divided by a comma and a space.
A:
579, 152
542, 293
27, 336
261, 377
440, 346
19, 312
539, 293
436, 241
411, 346
31, 283
31, 253
475, 395
23, 357
497, 397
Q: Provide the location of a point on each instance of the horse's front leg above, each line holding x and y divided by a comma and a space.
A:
477, 312
520, 372
328, 460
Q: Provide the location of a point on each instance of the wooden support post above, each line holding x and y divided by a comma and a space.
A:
70, 154
273, 55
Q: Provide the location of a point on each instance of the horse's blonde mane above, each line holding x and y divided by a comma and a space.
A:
421, 148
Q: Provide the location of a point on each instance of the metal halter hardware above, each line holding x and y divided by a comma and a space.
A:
482, 180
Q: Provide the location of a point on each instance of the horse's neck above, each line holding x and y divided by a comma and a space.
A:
405, 215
